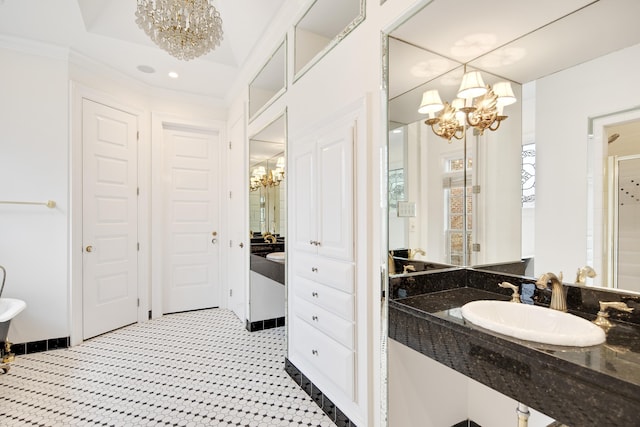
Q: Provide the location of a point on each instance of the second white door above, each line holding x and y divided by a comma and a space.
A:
191, 211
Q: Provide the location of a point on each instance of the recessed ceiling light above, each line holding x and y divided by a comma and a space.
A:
173, 74
146, 69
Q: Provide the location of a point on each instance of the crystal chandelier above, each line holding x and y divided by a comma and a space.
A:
184, 28
477, 104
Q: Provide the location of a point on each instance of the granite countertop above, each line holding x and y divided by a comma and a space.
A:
272, 269
598, 385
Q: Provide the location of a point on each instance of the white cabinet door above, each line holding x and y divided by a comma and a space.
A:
322, 193
302, 217
335, 193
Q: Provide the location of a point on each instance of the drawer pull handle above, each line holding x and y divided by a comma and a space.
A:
314, 352
314, 269
314, 294
314, 318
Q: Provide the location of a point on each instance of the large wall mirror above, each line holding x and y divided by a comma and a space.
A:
321, 28
537, 193
267, 195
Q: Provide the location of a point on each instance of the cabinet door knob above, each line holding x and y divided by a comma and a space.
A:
241, 245
315, 318
314, 269
314, 352
314, 294
89, 248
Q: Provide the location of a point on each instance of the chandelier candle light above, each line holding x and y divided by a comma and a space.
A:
184, 28
260, 177
485, 113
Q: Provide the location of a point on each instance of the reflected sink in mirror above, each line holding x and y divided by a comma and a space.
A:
276, 256
533, 323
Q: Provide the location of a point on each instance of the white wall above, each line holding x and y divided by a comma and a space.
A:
34, 159
564, 102
36, 128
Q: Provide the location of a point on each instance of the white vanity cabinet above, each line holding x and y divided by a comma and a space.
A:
322, 295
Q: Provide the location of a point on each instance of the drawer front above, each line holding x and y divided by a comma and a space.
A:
326, 356
337, 274
330, 299
335, 327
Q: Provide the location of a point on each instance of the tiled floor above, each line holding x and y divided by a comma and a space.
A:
190, 369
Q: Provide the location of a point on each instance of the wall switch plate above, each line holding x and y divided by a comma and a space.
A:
406, 209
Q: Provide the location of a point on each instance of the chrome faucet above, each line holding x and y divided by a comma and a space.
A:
558, 299
413, 252
583, 273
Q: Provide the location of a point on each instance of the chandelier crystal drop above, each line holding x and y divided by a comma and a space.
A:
186, 29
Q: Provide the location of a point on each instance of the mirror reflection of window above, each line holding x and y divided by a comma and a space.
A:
456, 201
528, 175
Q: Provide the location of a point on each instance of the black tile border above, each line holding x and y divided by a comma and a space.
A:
328, 407
261, 325
38, 346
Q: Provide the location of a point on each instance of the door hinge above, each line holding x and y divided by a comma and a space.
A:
138, 302
230, 243
230, 194
475, 189
229, 145
230, 292
475, 247
137, 191
137, 135
138, 246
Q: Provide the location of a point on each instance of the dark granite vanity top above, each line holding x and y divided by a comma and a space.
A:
592, 386
272, 269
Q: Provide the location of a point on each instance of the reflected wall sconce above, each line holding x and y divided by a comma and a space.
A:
478, 105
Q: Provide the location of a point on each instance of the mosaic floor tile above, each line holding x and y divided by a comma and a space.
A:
195, 369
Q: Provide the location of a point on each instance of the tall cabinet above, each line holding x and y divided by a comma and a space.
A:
327, 342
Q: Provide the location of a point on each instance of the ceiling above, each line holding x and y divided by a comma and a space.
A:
518, 40
105, 31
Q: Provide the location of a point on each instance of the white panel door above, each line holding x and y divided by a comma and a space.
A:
191, 277
237, 219
335, 192
109, 218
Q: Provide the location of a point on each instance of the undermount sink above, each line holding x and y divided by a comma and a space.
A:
276, 256
533, 323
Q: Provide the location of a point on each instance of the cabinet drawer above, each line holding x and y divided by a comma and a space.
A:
326, 356
335, 327
330, 299
337, 274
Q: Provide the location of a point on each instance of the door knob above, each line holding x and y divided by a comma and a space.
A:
241, 245
89, 248
214, 241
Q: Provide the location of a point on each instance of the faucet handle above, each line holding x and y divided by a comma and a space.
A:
603, 316
515, 297
408, 267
